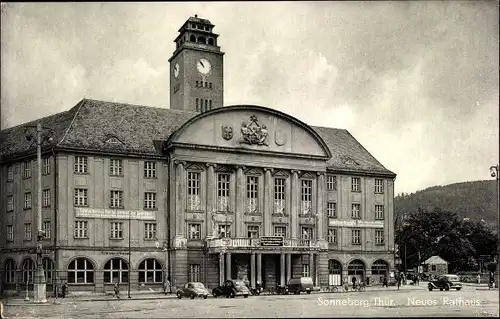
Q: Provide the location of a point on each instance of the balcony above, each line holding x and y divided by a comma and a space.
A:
220, 244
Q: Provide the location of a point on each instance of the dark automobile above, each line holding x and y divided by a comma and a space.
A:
193, 290
445, 282
231, 289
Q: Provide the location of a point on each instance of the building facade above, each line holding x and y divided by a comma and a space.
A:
197, 192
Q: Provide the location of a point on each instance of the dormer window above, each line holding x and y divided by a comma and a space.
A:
193, 25
113, 140
207, 28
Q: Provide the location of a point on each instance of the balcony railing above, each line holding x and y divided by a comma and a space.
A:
255, 242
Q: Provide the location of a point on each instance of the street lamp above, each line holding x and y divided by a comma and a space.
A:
129, 252
494, 171
40, 285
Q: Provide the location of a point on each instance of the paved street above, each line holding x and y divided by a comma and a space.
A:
471, 301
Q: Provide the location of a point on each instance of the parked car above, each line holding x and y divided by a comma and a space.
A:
231, 289
445, 282
302, 284
193, 290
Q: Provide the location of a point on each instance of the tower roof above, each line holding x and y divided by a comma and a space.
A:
195, 19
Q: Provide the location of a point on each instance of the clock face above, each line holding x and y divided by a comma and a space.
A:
203, 66
176, 70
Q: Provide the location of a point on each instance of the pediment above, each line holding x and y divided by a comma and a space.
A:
195, 167
253, 171
224, 169
308, 175
281, 174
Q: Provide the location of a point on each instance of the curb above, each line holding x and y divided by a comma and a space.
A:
20, 302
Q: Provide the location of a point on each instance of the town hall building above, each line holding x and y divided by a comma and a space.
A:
198, 192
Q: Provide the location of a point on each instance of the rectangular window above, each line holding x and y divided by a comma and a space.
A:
150, 169
379, 237
379, 186
10, 203
10, 233
81, 165
433, 268
150, 231
10, 173
47, 229
280, 231
379, 211
307, 233
27, 200
193, 190
224, 230
253, 231
305, 270
210, 104
355, 184
149, 200
46, 165
356, 237
194, 231
332, 235
210, 85
197, 101
279, 196
331, 182
252, 193
81, 198
115, 167
331, 209
223, 192
27, 170
194, 272
46, 198
306, 196
355, 211
81, 227
27, 231
116, 199
116, 230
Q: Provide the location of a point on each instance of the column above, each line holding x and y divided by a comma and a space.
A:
221, 268
288, 267
368, 275
240, 202
252, 270
228, 266
294, 197
211, 199
320, 211
282, 269
268, 202
259, 268
180, 196
311, 267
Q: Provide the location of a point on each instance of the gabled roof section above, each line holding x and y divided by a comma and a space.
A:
348, 154
435, 260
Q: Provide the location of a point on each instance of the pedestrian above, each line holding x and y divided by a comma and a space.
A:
398, 279
417, 279
353, 282
116, 290
478, 278
385, 282
491, 281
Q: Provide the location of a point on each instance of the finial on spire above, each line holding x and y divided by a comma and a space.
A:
196, 16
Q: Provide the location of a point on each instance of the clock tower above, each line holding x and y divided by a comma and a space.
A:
196, 68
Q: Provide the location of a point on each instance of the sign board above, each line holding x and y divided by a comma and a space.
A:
356, 223
114, 213
271, 241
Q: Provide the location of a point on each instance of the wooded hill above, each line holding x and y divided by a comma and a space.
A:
475, 200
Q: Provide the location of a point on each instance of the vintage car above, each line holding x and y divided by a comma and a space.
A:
193, 290
445, 282
231, 289
302, 284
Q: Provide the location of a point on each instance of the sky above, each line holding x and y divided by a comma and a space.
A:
416, 83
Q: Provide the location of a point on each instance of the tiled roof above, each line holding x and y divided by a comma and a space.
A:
435, 260
91, 123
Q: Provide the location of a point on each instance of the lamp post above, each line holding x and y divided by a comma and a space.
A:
40, 285
129, 253
494, 171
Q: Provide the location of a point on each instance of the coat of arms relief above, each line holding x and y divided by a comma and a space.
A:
253, 133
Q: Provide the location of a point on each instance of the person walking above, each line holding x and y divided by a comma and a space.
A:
353, 282
417, 280
116, 290
398, 279
385, 282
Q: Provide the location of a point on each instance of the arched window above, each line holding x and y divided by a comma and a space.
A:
116, 270
334, 273
356, 267
192, 38
150, 271
28, 271
379, 267
10, 271
48, 267
202, 40
81, 271
211, 41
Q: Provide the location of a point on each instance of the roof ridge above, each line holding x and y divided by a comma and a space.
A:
80, 104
